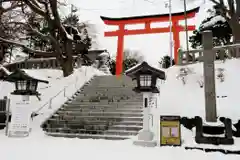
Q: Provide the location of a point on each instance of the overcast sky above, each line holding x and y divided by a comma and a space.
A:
151, 45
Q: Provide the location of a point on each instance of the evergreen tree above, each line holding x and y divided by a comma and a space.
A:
131, 58
166, 62
220, 28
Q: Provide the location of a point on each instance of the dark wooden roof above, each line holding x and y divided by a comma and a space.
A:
149, 16
21, 75
145, 66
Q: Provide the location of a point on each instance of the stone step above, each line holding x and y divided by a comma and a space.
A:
111, 85
107, 89
76, 128
94, 100
75, 102
100, 132
113, 81
83, 126
71, 113
108, 97
99, 86
122, 81
107, 93
79, 118
87, 136
121, 132
102, 106
55, 121
125, 127
127, 90
132, 98
101, 109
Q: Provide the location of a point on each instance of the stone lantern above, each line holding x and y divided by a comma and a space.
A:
26, 84
146, 77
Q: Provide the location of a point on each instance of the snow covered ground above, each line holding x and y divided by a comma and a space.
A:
188, 100
172, 101
48, 148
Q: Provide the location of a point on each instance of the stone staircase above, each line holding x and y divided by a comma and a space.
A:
104, 108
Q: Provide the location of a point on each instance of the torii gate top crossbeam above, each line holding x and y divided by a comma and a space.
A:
148, 18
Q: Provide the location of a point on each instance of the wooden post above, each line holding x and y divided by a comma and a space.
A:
209, 77
180, 56
7, 114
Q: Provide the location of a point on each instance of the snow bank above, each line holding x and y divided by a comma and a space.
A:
49, 148
35, 74
188, 100
52, 94
213, 21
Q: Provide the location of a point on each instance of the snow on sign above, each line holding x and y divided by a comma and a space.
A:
20, 121
170, 131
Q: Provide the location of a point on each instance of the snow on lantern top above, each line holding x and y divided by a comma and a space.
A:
26, 82
146, 77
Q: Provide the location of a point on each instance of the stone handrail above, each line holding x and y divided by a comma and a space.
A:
197, 54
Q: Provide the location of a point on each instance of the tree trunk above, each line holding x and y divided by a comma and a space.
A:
67, 67
67, 62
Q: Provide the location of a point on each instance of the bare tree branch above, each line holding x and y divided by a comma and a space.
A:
221, 4
216, 2
231, 7
12, 7
53, 5
238, 8
35, 8
34, 31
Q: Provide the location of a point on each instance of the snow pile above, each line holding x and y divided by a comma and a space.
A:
17, 56
213, 21
103, 63
188, 100
49, 148
35, 74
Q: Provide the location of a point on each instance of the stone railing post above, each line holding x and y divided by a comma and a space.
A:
209, 77
180, 56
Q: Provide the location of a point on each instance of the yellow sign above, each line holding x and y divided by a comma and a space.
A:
170, 130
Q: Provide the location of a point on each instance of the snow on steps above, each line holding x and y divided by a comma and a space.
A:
115, 120
88, 136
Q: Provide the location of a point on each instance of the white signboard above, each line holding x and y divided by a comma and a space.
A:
152, 100
20, 121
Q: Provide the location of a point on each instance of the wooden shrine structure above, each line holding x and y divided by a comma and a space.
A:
147, 21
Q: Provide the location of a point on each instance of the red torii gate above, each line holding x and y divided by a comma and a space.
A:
146, 20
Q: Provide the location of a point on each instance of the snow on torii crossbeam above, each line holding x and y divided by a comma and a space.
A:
147, 21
